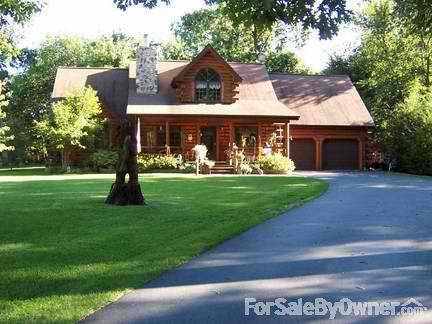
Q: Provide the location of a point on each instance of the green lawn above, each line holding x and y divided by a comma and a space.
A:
23, 171
64, 253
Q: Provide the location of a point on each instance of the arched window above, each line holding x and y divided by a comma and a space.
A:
207, 86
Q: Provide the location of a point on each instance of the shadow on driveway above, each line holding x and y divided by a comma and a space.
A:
369, 238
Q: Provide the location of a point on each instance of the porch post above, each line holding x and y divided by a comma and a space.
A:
230, 133
360, 153
318, 153
167, 138
260, 148
198, 134
217, 142
138, 135
287, 139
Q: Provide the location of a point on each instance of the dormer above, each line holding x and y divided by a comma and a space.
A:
208, 78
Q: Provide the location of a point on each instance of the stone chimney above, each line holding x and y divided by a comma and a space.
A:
146, 69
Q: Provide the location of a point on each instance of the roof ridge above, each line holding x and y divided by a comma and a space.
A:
229, 62
311, 75
91, 68
182, 61
252, 63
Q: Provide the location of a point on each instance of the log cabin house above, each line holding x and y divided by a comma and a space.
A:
318, 121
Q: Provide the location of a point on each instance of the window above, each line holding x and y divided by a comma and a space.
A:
207, 86
153, 136
175, 136
246, 136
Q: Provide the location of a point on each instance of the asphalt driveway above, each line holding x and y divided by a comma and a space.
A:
369, 238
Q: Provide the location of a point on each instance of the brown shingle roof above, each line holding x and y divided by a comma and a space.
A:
112, 86
318, 100
256, 95
322, 100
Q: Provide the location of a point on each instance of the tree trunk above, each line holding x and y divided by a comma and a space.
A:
255, 42
428, 68
65, 158
123, 193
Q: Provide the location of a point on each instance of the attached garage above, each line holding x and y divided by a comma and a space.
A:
340, 154
302, 152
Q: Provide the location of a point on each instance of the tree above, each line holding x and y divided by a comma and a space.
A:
13, 12
71, 121
285, 62
416, 15
409, 128
210, 26
31, 89
390, 70
124, 4
260, 16
5, 138
384, 65
322, 15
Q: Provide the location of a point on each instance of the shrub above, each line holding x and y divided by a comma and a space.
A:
103, 159
409, 140
256, 169
275, 164
188, 168
148, 162
245, 168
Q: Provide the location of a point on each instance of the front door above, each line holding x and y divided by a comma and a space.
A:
208, 138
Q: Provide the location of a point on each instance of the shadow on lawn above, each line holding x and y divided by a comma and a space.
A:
61, 240
329, 249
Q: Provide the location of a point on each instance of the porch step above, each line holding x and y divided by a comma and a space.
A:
222, 168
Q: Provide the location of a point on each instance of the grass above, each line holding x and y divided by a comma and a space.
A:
23, 171
64, 253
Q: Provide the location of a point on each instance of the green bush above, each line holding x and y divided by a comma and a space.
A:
188, 167
275, 164
103, 159
148, 162
409, 140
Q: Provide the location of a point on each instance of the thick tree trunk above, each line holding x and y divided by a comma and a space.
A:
123, 193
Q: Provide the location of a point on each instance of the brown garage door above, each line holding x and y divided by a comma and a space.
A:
340, 154
302, 152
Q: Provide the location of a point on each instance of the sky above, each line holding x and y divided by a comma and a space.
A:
90, 18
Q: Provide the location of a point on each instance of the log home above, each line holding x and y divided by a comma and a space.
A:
318, 121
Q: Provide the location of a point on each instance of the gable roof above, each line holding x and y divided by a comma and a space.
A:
322, 100
112, 86
256, 95
207, 50
317, 100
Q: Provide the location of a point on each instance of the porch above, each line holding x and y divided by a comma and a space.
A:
179, 136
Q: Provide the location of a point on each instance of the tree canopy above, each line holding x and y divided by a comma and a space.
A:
325, 16
260, 15
235, 43
410, 127
124, 4
210, 26
391, 68
416, 16
13, 12
70, 121
285, 62
5, 137
31, 89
